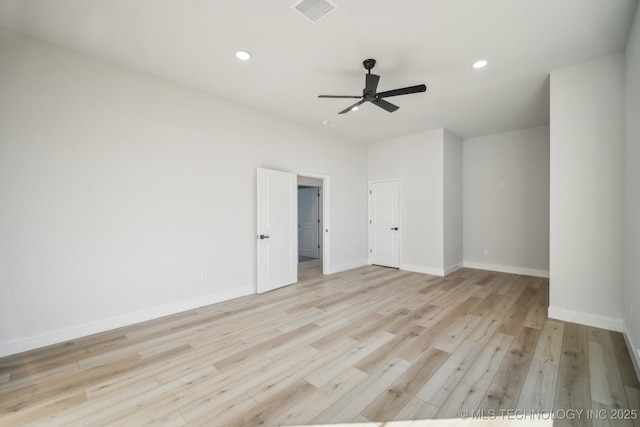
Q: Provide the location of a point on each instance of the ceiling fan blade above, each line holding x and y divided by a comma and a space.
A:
340, 96
385, 105
403, 91
346, 110
371, 83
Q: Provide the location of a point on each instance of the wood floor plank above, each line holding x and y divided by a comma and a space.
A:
481, 372
607, 416
223, 414
600, 336
383, 354
549, 347
436, 390
633, 397
354, 402
327, 335
323, 375
464, 396
456, 333
175, 368
539, 388
68, 383
430, 334
258, 349
488, 304
346, 331
515, 319
396, 397
504, 390
606, 384
32, 382
573, 390
366, 345
238, 380
627, 371
326, 395
491, 320
537, 314
86, 410
399, 321
416, 409
265, 412
37, 412
148, 405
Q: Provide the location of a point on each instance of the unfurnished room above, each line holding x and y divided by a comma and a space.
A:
319, 212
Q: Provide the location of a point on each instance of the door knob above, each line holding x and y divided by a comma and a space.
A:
394, 228
262, 236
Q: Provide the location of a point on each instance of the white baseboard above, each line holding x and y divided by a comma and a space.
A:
55, 336
452, 269
634, 351
588, 319
422, 269
507, 269
348, 266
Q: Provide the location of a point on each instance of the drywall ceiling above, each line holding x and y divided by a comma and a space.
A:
414, 41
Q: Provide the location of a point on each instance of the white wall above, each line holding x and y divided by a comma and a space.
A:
510, 221
452, 204
119, 189
424, 165
586, 193
631, 271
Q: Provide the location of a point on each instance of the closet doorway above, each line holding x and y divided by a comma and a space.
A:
310, 224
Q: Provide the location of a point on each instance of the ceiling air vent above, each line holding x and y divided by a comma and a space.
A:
313, 9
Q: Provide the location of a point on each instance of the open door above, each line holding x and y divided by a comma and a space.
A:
277, 229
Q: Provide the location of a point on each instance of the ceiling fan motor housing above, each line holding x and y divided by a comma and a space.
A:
369, 64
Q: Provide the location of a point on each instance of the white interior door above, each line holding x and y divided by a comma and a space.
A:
277, 229
309, 222
384, 223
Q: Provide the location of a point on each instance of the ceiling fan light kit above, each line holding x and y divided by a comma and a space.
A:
370, 94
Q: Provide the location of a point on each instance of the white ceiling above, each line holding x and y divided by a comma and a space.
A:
294, 60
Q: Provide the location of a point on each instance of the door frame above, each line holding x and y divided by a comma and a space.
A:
326, 217
369, 213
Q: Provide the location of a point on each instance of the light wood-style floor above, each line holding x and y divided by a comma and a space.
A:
371, 344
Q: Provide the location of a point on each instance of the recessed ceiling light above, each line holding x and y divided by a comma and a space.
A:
325, 122
243, 55
480, 64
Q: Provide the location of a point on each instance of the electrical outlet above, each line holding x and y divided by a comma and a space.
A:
204, 277
486, 251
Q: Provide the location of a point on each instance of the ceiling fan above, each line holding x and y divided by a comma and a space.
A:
369, 92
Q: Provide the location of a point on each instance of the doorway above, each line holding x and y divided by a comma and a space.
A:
277, 227
310, 225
